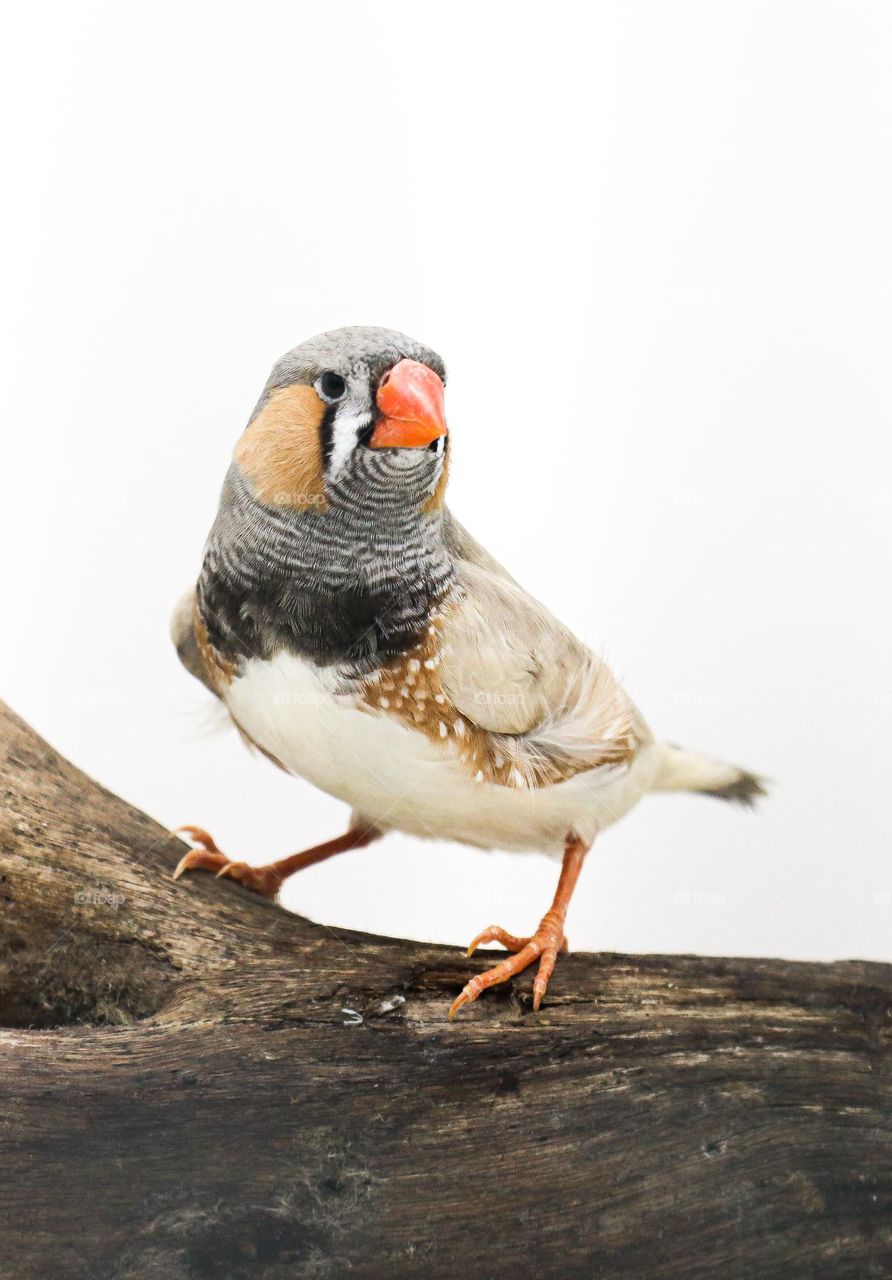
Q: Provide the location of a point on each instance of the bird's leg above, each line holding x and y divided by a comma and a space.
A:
544, 945
266, 880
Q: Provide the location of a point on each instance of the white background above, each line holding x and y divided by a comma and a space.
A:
652, 242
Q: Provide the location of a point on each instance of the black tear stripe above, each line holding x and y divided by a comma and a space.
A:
352, 585
326, 431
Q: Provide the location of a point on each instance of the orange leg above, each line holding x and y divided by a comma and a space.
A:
544, 945
266, 880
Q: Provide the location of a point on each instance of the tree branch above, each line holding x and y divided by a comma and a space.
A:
195, 1083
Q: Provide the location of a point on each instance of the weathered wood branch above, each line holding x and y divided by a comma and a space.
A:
195, 1083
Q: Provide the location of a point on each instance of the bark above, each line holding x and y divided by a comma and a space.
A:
195, 1083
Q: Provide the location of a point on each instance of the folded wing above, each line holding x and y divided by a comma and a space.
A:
514, 670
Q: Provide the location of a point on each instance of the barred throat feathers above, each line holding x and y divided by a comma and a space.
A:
352, 584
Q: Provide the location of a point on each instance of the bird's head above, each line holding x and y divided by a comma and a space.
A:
352, 417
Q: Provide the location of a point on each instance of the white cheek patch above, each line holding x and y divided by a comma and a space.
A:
346, 429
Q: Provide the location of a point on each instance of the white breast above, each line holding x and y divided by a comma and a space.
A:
400, 779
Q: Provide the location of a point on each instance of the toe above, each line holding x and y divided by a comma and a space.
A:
545, 945
200, 836
544, 972
495, 933
498, 973
262, 880
235, 870
198, 860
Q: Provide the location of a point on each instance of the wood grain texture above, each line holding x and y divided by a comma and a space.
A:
195, 1084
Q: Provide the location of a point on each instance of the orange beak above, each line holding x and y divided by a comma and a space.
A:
410, 397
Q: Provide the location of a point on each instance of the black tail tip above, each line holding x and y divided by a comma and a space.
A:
745, 790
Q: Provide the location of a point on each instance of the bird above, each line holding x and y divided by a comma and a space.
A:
361, 638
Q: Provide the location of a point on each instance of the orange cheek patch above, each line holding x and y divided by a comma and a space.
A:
280, 453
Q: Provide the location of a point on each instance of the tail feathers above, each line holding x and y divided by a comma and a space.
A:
688, 771
745, 790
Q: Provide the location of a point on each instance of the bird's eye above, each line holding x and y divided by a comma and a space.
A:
331, 386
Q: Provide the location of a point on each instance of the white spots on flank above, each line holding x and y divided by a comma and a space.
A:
443, 729
499, 760
460, 727
440, 697
384, 702
414, 665
478, 776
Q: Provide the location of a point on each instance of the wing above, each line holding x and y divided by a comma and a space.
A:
511, 668
466, 548
182, 633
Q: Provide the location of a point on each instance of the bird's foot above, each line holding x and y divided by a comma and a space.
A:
544, 945
263, 880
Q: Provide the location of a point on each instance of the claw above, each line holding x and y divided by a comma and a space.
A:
457, 1004
198, 858
238, 871
544, 945
262, 880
